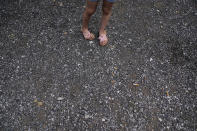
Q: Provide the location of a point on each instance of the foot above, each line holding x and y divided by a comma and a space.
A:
87, 35
103, 38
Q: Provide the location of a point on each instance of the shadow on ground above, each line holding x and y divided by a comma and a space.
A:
144, 79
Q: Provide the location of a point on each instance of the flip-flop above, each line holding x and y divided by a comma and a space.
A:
103, 39
88, 36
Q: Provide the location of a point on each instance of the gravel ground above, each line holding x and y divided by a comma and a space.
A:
145, 79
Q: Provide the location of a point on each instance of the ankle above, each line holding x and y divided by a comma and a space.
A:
102, 32
84, 29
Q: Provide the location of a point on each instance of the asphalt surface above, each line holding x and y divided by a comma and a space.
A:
145, 79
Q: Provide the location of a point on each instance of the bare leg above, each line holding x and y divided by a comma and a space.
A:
107, 10
89, 11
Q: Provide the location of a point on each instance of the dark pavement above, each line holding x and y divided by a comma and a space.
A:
145, 79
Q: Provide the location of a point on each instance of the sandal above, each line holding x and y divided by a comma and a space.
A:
87, 35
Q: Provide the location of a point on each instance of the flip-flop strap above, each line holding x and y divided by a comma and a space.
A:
102, 38
87, 34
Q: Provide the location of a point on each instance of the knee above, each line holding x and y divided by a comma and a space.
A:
90, 11
106, 11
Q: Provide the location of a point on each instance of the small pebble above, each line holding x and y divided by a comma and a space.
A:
91, 42
40, 103
87, 116
160, 119
115, 68
103, 119
60, 98
135, 84
60, 4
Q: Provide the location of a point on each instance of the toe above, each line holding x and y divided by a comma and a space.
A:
88, 36
103, 43
103, 40
92, 36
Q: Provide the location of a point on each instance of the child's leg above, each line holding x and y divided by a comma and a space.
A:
89, 11
107, 10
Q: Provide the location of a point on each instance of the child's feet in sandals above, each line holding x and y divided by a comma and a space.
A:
103, 38
87, 35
